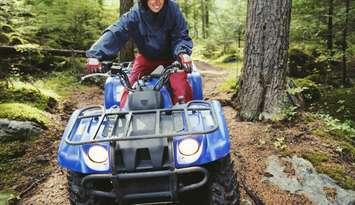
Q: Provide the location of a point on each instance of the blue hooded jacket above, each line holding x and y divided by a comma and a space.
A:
162, 35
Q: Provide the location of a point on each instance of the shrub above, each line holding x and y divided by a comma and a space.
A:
309, 90
301, 64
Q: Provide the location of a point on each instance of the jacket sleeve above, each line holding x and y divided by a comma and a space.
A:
112, 39
181, 41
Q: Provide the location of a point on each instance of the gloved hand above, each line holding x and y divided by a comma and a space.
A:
186, 62
93, 65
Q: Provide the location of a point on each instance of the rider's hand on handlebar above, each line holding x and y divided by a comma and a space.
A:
93, 65
186, 62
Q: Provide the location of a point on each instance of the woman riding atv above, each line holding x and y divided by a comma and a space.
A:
160, 33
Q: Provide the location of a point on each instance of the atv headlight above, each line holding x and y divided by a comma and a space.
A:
188, 146
98, 154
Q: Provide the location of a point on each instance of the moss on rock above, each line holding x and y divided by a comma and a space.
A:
29, 94
316, 157
338, 173
15, 40
4, 39
20, 111
6, 28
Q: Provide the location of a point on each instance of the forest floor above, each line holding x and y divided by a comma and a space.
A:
252, 144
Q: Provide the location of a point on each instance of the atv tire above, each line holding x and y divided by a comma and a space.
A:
76, 193
223, 185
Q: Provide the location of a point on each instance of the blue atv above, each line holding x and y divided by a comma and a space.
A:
149, 151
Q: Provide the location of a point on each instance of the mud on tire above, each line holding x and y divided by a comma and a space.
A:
223, 185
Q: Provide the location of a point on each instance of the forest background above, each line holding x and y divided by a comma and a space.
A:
321, 62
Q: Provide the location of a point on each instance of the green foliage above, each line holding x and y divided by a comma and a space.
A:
310, 53
225, 29
229, 85
346, 151
287, 113
7, 197
301, 62
338, 102
60, 83
19, 111
309, 90
338, 128
68, 24
280, 144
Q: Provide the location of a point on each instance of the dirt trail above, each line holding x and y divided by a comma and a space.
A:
251, 145
53, 190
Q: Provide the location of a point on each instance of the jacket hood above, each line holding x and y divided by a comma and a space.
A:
154, 20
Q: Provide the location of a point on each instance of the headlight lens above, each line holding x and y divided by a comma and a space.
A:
98, 154
188, 147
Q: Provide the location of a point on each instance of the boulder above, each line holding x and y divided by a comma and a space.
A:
18, 130
319, 188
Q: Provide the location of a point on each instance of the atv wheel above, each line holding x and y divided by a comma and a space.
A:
223, 185
76, 194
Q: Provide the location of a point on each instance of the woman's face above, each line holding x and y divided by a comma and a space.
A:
155, 5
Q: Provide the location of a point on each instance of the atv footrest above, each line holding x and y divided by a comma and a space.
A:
143, 177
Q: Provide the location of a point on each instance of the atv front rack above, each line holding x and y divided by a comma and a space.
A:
117, 125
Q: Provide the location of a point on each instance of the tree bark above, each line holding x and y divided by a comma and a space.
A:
127, 52
263, 81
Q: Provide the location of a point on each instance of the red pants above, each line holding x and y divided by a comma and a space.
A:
178, 81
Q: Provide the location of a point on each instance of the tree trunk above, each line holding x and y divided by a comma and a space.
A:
206, 17
127, 52
195, 14
186, 8
263, 80
329, 39
345, 78
239, 37
330, 27
203, 19
101, 3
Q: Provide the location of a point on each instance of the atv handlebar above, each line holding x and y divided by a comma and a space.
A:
111, 69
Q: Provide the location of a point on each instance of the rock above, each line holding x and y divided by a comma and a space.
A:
319, 188
42, 159
18, 130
